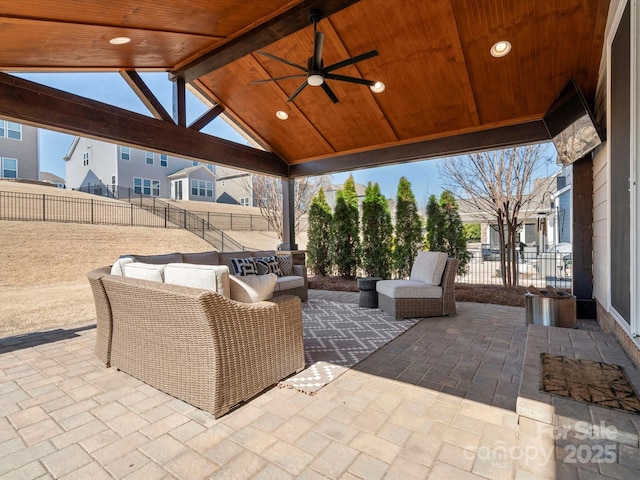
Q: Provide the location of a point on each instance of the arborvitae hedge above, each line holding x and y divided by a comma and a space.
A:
376, 233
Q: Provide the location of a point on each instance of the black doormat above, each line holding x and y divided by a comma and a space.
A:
594, 383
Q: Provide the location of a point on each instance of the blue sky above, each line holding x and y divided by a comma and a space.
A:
112, 89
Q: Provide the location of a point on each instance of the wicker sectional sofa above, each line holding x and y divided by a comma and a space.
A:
294, 284
194, 344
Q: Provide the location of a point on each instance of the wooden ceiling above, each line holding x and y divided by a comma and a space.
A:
444, 92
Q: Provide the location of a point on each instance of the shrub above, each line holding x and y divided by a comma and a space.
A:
376, 233
319, 243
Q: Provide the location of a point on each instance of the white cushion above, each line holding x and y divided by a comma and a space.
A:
207, 277
145, 271
287, 283
429, 267
118, 267
408, 289
252, 288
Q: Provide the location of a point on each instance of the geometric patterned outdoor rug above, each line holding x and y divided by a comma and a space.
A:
589, 382
336, 337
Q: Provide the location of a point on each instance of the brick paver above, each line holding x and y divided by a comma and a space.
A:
439, 402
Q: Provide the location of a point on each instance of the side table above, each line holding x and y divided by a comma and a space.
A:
368, 293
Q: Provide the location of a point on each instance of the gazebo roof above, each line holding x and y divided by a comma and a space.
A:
445, 93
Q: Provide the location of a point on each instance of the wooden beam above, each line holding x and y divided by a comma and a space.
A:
496, 138
145, 95
280, 26
206, 118
179, 102
34, 104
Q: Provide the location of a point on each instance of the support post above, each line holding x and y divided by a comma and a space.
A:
288, 215
179, 102
582, 191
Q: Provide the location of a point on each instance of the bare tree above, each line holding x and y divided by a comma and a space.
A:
267, 194
500, 186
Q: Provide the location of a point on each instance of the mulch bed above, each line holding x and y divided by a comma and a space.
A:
495, 294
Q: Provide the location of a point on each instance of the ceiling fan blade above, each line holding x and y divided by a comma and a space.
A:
318, 41
350, 61
279, 78
344, 78
298, 90
300, 67
329, 92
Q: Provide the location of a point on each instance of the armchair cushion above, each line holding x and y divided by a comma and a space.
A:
145, 271
266, 265
206, 277
252, 288
408, 289
289, 282
118, 267
428, 267
202, 258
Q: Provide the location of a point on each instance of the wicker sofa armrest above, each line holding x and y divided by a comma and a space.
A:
104, 323
199, 346
448, 286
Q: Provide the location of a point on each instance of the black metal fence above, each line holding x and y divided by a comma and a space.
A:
222, 221
142, 212
538, 269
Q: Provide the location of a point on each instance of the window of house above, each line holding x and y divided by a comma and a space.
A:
210, 189
85, 159
194, 163
146, 186
148, 158
10, 130
14, 130
203, 188
125, 153
211, 168
244, 201
9, 168
194, 188
164, 160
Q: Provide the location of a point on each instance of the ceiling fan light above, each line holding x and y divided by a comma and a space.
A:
378, 87
500, 49
315, 80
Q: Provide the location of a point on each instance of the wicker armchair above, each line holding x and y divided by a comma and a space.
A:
415, 298
196, 345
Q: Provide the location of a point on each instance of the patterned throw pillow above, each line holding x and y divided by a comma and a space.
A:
267, 265
286, 265
244, 266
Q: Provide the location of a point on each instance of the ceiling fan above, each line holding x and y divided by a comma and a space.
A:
316, 72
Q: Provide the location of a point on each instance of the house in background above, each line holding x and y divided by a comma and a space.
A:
18, 151
53, 179
101, 167
546, 221
234, 187
105, 168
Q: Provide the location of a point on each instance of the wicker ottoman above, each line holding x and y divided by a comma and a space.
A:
368, 293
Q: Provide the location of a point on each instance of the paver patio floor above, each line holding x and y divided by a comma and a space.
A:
439, 402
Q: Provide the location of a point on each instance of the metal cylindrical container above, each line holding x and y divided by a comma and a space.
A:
550, 311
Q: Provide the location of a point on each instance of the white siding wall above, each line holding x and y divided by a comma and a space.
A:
600, 228
101, 166
25, 151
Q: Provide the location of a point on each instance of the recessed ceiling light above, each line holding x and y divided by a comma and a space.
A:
282, 115
119, 40
378, 87
501, 48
